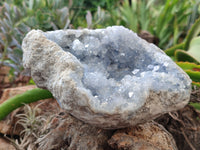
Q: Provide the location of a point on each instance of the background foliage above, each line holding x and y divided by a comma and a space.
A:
169, 21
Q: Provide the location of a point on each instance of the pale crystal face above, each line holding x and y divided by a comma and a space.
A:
119, 69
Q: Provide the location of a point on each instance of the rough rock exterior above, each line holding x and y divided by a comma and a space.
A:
109, 77
148, 136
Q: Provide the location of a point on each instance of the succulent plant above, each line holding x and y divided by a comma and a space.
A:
187, 53
12, 32
16, 19
187, 44
192, 54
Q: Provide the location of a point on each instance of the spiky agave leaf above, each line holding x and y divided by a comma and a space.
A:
196, 83
188, 66
182, 55
194, 75
193, 32
193, 53
194, 49
171, 51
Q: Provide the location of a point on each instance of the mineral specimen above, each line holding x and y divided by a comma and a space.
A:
109, 77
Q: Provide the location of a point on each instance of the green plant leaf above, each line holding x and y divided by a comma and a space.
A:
129, 14
194, 49
176, 32
31, 82
188, 66
31, 3
171, 51
19, 100
196, 83
193, 32
195, 105
194, 75
182, 55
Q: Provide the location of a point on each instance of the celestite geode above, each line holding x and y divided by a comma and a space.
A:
109, 77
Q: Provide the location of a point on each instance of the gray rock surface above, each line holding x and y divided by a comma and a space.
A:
109, 77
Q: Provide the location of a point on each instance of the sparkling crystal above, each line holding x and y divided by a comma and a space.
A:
166, 64
135, 71
155, 68
130, 94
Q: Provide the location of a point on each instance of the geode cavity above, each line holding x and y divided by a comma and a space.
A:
109, 77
